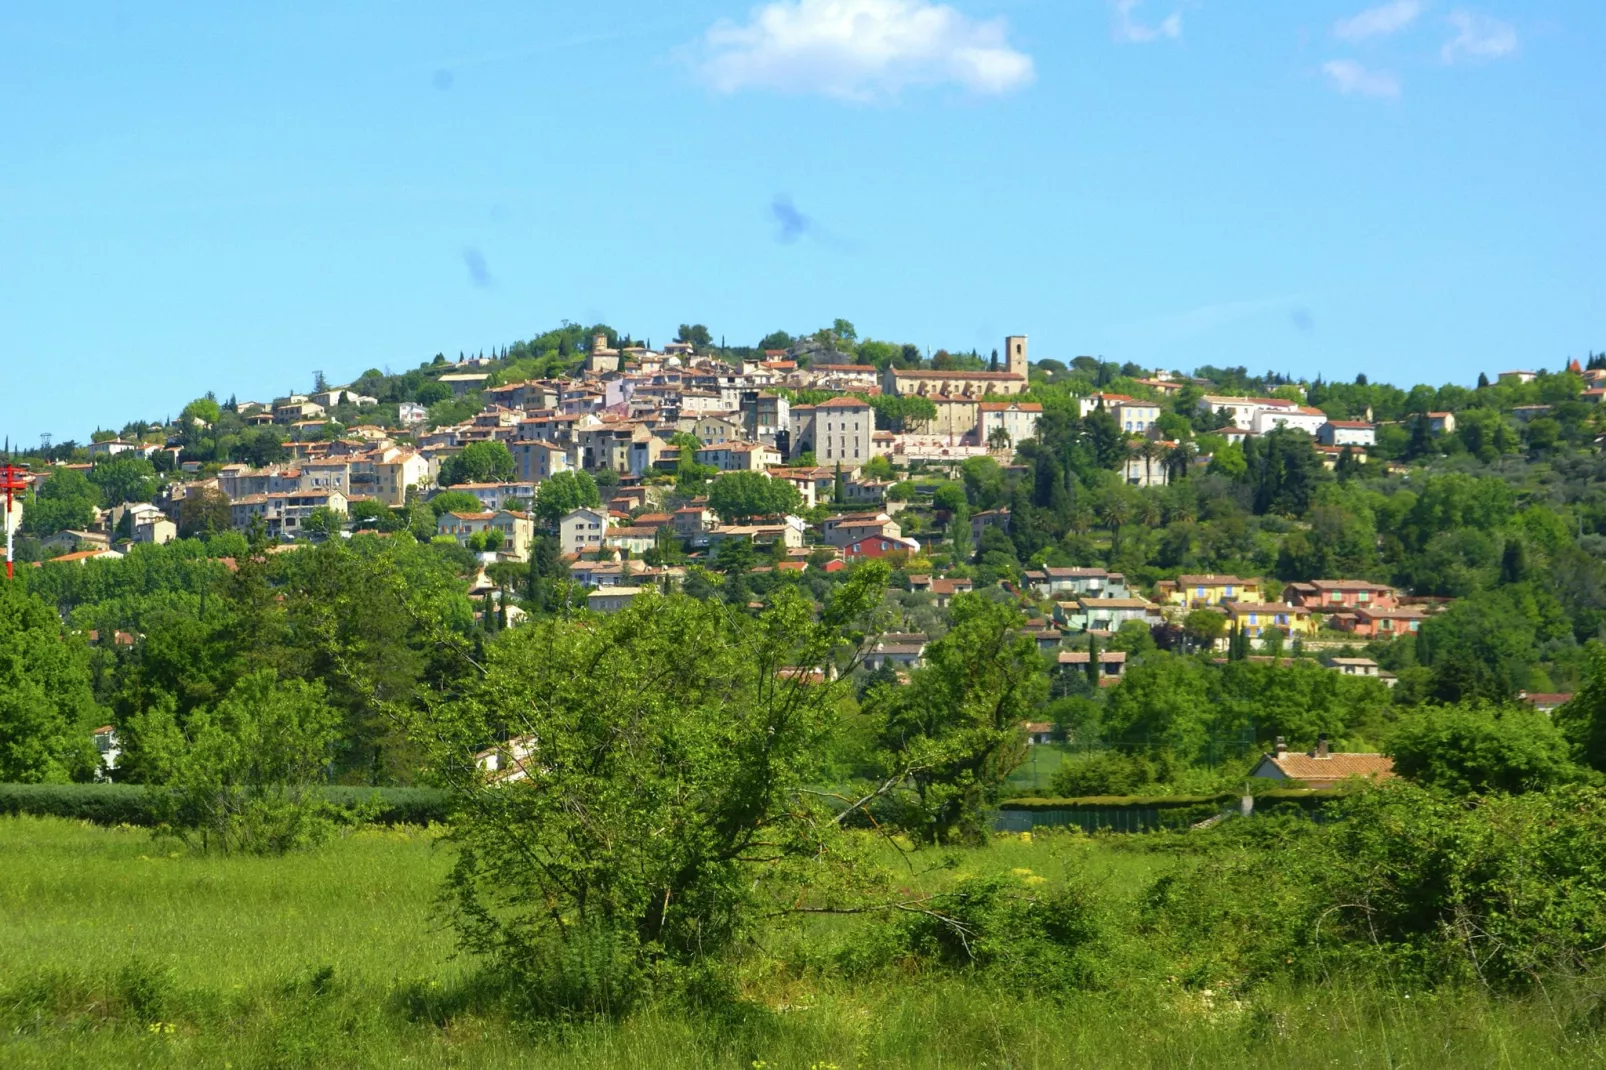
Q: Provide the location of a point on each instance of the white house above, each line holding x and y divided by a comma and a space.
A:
842, 431
582, 530
1296, 417
1347, 433
1017, 419
1133, 415
612, 599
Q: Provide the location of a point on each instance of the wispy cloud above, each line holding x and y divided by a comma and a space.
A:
1478, 37
1355, 79
1129, 30
861, 49
1380, 21
790, 224
478, 273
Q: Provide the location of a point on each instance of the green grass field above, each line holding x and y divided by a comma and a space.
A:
117, 951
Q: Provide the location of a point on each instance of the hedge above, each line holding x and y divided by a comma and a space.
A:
130, 804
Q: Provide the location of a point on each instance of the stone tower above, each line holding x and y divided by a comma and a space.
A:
1015, 347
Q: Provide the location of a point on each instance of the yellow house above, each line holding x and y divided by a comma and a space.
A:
1208, 590
1255, 618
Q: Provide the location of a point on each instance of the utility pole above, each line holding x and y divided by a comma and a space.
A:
10, 482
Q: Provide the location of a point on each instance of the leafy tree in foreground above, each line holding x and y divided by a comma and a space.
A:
957, 727
245, 775
653, 785
47, 708
1583, 719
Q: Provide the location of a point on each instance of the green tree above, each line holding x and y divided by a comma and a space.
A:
696, 335
1205, 627
205, 408
739, 496
124, 479
1478, 748
67, 499
323, 521
454, 501
47, 704
1583, 719
245, 775
564, 493
204, 511
479, 462
899, 413
674, 743
956, 729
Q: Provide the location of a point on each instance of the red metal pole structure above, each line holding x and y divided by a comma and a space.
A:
10, 482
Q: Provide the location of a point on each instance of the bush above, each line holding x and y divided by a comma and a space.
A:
1109, 773
1474, 749
244, 776
1017, 930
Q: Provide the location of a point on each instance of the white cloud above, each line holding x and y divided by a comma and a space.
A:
1379, 21
861, 49
1478, 37
1129, 30
1353, 79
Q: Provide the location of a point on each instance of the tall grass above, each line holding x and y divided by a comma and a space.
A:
115, 951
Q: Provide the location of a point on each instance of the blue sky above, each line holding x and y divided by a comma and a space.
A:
230, 196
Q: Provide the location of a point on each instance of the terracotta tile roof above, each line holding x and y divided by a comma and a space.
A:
1309, 768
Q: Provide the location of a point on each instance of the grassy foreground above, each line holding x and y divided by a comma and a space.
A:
118, 950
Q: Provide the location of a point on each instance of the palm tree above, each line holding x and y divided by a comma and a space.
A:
1117, 511
1181, 458
1149, 512
1152, 451
998, 439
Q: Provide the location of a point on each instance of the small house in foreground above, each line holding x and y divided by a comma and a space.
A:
1321, 768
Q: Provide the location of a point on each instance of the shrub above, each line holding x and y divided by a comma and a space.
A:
243, 777
1478, 748
1017, 930
1109, 773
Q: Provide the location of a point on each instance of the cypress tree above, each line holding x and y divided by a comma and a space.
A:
1093, 660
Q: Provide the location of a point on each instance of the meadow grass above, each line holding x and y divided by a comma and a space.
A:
117, 950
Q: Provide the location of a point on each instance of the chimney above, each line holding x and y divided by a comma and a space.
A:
1282, 746
1321, 745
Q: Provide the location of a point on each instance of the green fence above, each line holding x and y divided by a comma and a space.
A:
1124, 813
